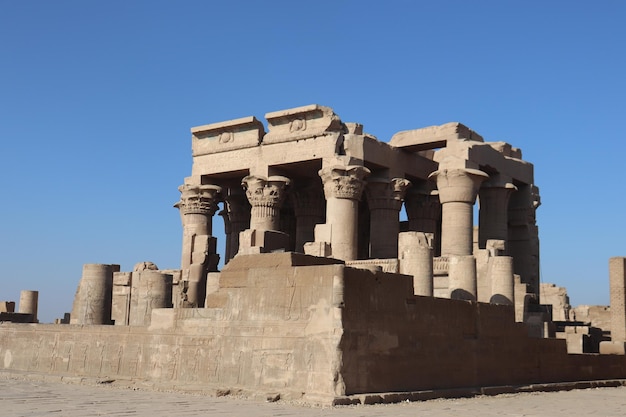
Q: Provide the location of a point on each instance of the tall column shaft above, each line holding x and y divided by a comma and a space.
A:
343, 187
617, 284
309, 208
385, 201
456, 228
238, 212
416, 259
458, 189
493, 213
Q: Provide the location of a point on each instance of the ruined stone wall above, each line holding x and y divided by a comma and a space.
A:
394, 341
272, 328
308, 327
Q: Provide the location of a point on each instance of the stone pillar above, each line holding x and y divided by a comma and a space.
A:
423, 210
500, 271
416, 258
493, 215
384, 198
151, 289
309, 207
238, 211
523, 239
462, 276
197, 205
457, 193
343, 186
617, 285
265, 196
29, 301
92, 302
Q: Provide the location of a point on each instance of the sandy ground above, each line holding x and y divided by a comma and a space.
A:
33, 398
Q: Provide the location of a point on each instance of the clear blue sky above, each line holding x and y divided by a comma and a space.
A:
97, 98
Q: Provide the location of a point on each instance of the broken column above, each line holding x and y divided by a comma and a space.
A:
457, 193
197, 205
92, 302
266, 196
28, 303
385, 198
462, 277
343, 187
415, 253
617, 286
150, 289
500, 272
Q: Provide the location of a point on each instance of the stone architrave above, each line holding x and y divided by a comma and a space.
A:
309, 208
265, 196
343, 187
458, 189
494, 198
197, 205
385, 198
92, 302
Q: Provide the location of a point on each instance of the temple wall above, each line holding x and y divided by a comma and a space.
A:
308, 327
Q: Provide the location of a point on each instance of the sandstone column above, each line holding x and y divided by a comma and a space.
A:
238, 211
265, 196
523, 239
457, 193
343, 186
385, 198
151, 289
29, 301
416, 258
92, 302
500, 271
462, 275
493, 214
617, 285
309, 207
423, 210
197, 205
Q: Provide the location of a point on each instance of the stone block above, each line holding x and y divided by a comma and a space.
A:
301, 123
235, 134
317, 249
122, 278
612, 348
253, 241
433, 137
7, 306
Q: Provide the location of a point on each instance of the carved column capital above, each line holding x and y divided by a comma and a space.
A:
265, 192
458, 185
344, 181
308, 200
386, 194
198, 199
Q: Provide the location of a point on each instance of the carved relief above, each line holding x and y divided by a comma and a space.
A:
198, 199
344, 181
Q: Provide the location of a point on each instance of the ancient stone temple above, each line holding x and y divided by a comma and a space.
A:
353, 268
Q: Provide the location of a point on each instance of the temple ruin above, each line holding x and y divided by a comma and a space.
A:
353, 267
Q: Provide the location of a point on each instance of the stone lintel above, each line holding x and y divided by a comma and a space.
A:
225, 136
433, 137
301, 123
